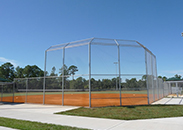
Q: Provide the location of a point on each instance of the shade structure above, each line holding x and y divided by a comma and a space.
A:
3, 80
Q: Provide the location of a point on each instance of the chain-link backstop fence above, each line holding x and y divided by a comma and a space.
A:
93, 73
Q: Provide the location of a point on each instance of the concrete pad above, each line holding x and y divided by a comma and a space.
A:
44, 114
174, 101
162, 101
37, 108
181, 102
152, 124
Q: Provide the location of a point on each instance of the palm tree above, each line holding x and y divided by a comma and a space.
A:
72, 69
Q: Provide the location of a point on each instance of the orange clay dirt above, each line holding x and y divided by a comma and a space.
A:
97, 100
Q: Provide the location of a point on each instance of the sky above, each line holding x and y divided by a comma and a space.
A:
29, 27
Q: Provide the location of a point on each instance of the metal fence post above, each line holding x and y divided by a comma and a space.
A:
44, 81
147, 78
2, 93
170, 88
26, 81
13, 90
63, 77
152, 79
89, 51
119, 71
89, 67
177, 89
157, 85
119, 74
163, 88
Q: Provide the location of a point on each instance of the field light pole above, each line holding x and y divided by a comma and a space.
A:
116, 63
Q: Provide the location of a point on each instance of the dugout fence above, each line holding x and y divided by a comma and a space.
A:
94, 72
175, 88
6, 92
30, 90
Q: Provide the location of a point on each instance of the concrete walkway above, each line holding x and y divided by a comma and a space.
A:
170, 101
44, 114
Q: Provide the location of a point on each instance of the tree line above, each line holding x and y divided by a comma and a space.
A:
82, 84
8, 71
175, 77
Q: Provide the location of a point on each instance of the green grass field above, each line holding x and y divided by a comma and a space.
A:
28, 125
129, 113
50, 93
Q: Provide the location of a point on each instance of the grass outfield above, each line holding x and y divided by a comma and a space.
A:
50, 93
28, 125
129, 113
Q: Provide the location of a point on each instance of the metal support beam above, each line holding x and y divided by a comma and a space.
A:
26, 82
44, 82
164, 89
63, 58
119, 75
157, 85
89, 67
89, 60
2, 93
13, 90
152, 79
119, 71
170, 88
147, 84
177, 89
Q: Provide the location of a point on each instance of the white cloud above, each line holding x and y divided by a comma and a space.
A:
4, 60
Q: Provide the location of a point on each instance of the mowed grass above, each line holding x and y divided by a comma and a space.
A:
129, 112
28, 125
93, 92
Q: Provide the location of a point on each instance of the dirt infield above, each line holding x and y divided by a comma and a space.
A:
97, 100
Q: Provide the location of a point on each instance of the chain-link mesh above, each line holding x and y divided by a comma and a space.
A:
53, 90
95, 72
150, 77
161, 88
166, 89
7, 94
1, 92
35, 90
134, 90
105, 90
180, 85
20, 90
76, 92
175, 88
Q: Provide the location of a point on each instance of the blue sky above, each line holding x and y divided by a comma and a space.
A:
29, 27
